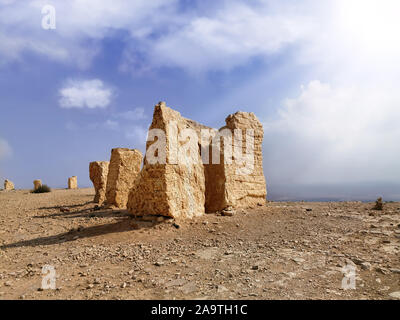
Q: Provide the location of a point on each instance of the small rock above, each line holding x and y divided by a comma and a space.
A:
228, 212
176, 282
357, 261
298, 260
394, 270
395, 294
382, 270
64, 209
365, 266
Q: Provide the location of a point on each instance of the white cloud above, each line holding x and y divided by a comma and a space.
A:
132, 115
5, 149
85, 93
333, 34
230, 37
335, 134
159, 32
6, 2
80, 26
111, 124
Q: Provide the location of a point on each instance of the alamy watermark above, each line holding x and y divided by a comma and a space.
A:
49, 17
349, 279
49, 277
188, 148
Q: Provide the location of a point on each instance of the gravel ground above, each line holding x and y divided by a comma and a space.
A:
284, 250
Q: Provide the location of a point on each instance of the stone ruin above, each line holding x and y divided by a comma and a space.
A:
8, 185
190, 187
185, 180
123, 170
98, 171
229, 185
37, 184
169, 189
73, 182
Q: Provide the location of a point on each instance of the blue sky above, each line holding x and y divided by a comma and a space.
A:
322, 77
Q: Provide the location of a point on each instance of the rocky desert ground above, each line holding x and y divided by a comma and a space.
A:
281, 250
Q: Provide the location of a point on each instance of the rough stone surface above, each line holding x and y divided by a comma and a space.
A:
230, 185
98, 171
73, 183
123, 170
8, 185
174, 188
37, 184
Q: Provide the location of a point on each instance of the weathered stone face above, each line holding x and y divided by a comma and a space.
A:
123, 170
73, 183
176, 186
98, 171
37, 184
241, 183
181, 181
8, 185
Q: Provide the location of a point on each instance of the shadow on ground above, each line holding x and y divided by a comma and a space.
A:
124, 225
88, 213
70, 206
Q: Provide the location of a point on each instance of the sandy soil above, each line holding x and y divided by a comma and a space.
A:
279, 251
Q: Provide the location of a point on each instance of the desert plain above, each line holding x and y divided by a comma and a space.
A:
279, 250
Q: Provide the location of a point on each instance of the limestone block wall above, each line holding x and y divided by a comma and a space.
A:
73, 182
8, 185
237, 184
37, 184
179, 183
123, 170
175, 187
98, 172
